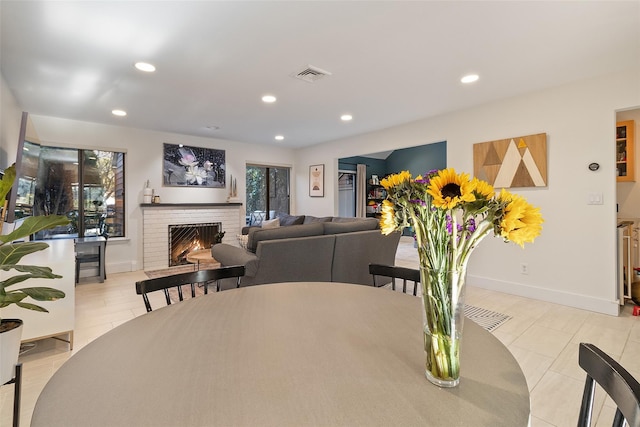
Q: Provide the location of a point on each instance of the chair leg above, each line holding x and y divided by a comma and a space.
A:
16, 395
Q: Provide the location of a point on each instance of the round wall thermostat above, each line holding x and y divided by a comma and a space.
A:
594, 166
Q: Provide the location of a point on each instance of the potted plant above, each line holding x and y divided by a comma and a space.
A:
10, 255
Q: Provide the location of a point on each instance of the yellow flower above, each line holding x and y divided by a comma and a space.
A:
521, 222
395, 179
388, 219
449, 189
483, 189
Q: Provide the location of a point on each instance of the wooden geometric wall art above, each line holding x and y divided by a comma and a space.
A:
512, 162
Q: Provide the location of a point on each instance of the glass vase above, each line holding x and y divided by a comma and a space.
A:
443, 319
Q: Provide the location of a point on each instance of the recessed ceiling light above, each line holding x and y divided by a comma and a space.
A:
120, 113
279, 137
268, 99
470, 78
346, 117
212, 128
146, 67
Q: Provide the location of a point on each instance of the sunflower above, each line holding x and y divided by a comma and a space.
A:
449, 189
521, 222
483, 190
388, 220
395, 179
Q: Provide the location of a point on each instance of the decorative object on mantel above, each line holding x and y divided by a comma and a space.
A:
512, 162
217, 238
147, 193
316, 180
193, 167
233, 191
451, 214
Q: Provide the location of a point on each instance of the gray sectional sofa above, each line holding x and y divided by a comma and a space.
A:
329, 249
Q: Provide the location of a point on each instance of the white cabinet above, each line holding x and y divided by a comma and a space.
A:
60, 320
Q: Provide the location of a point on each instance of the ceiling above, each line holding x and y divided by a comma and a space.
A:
391, 62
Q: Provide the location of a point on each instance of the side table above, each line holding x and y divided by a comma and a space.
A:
202, 256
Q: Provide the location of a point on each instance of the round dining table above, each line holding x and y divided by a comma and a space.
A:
286, 354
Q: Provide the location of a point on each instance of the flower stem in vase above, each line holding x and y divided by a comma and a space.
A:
443, 315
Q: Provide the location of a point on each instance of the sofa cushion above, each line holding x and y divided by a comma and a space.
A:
344, 219
350, 226
295, 260
303, 230
353, 252
310, 219
290, 219
270, 223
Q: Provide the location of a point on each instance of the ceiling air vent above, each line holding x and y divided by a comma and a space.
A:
310, 74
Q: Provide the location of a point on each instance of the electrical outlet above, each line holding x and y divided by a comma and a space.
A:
524, 268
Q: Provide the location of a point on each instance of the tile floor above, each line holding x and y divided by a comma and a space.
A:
543, 337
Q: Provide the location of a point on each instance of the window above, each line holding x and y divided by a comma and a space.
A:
85, 185
267, 192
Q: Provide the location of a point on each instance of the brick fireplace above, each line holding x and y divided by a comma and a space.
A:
157, 217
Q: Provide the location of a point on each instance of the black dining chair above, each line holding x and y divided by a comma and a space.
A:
394, 272
192, 278
616, 381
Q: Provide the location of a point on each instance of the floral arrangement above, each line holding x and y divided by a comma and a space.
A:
450, 214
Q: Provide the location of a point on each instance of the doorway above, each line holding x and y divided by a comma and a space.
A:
347, 193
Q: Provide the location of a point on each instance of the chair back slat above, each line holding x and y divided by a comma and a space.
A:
395, 272
144, 287
616, 381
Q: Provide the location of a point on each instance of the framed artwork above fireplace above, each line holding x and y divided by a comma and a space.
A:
185, 166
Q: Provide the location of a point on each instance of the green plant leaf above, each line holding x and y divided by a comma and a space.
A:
33, 224
35, 272
7, 181
12, 253
32, 307
11, 298
43, 293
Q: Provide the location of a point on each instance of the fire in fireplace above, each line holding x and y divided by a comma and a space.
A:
186, 238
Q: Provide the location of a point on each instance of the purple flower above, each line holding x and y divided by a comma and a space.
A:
472, 225
418, 202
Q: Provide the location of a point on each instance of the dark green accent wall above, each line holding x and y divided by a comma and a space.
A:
374, 166
417, 160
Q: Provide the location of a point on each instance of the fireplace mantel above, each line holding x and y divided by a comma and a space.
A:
157, 217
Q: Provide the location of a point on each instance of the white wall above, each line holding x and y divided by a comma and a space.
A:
10, 116
573, 261
144, 162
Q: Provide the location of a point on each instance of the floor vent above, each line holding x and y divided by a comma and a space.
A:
310, 74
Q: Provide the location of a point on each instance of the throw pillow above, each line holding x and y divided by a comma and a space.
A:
271, 223
290, 219
242, 240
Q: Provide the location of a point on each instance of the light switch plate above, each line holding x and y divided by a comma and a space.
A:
595, 199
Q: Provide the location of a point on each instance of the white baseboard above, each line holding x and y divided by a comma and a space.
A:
121, 267
583, 302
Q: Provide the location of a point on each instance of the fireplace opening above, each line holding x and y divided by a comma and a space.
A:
186, 238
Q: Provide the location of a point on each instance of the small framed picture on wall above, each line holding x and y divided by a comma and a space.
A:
316, 181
